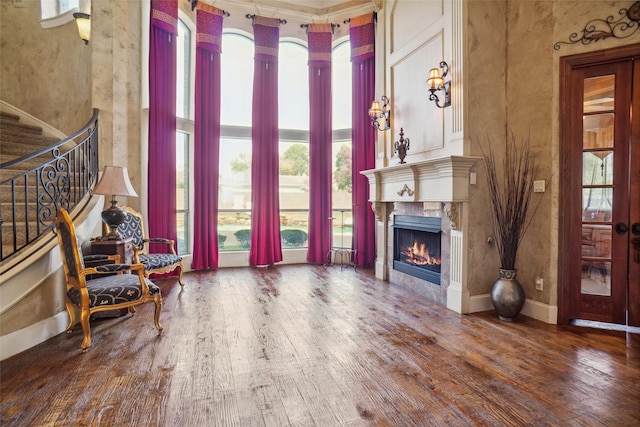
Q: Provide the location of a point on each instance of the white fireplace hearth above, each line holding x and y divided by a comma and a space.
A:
430, 188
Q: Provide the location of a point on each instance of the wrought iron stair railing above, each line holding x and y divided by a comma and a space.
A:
34, 186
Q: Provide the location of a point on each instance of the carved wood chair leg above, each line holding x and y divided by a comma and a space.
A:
86, 329
72, 316
156, 317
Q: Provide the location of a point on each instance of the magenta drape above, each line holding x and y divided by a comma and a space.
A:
162, 121
362, 38
266, 248
206, 145
320, 225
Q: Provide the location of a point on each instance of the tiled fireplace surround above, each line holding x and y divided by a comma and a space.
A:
430, 188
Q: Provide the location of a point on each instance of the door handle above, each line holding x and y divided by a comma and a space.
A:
621, 228
635, 229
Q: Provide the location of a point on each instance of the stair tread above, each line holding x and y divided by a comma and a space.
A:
8, 116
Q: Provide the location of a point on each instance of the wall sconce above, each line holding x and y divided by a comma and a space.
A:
84, 26
378, 113
436, 83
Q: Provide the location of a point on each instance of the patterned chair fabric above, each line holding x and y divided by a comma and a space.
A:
100, 288
156, 263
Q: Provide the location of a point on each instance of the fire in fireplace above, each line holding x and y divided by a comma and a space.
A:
416, 248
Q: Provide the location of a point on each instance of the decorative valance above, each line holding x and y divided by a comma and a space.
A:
362, 36
209, 27
164, 14
320, 36
267, 36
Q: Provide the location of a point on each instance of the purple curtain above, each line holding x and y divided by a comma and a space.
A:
162, 120
362, 37
266, 247
207, 137
320, 226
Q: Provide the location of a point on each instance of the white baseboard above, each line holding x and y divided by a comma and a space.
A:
23, 339
535, 309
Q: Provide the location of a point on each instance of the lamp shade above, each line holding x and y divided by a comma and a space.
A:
375, 109
115, 182
434, 79
84, 26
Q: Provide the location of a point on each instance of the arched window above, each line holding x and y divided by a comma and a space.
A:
237, 63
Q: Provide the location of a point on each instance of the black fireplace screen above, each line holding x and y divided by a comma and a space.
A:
416, 246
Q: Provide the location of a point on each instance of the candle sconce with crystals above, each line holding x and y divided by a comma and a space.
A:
402, 146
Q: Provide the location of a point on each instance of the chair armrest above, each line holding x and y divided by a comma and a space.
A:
101, 257
112, 268
170, 243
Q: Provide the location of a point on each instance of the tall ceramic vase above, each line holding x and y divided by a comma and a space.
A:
507, 295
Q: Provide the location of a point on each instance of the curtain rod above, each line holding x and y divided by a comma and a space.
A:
333, 27
250, 16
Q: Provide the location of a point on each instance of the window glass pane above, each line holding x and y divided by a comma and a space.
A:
234, 218
183, 86
341, 81
293, 86
294, 193
237, 79
182, 191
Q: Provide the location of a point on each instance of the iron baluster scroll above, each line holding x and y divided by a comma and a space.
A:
599, 29
65, 173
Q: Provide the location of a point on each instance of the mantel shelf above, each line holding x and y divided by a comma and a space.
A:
439, 180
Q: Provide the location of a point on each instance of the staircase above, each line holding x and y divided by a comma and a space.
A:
39, 174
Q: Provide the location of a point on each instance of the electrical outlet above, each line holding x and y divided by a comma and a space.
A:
539, 284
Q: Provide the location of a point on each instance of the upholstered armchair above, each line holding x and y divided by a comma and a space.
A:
101, 288
157, 263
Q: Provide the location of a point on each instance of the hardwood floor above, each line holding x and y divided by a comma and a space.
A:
314, 346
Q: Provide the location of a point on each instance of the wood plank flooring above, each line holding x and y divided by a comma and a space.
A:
315, 346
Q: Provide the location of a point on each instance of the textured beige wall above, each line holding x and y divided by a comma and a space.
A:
44, 72
513, 84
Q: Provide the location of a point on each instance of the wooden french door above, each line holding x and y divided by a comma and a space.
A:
599, 265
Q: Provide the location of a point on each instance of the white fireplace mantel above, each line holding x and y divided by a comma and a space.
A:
439, 180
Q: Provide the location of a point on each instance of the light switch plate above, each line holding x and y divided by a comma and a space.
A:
538, 186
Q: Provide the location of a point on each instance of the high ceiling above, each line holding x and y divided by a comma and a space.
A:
308, 7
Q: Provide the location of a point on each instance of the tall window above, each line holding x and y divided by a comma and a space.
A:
293, 120
341, 195
234, 218
184, 134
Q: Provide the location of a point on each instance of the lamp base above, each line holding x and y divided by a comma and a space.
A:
113, 217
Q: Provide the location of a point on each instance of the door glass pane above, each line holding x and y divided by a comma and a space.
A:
597, 184
599, 94
597, 131
596, 278
597, 167
597, 204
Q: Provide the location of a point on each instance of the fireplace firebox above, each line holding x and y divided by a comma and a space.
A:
416, 246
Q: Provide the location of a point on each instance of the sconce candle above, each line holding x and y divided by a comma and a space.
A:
378, 113
436, 83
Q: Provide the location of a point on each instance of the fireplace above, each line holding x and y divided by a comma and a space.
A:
416, 246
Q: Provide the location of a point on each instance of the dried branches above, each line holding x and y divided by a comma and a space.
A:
510, 190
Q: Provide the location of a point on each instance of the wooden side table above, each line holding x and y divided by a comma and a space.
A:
124, 248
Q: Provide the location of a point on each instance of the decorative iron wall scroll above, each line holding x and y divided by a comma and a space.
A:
598, 29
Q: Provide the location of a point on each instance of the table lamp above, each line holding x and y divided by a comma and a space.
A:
115, 182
